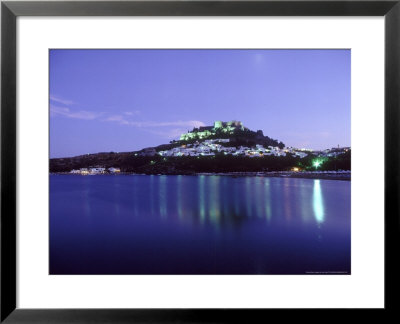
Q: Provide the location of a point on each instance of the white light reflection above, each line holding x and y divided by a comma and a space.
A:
268, 200
318, 203
163, 196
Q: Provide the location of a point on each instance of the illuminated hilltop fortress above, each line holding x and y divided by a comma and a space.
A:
219, 127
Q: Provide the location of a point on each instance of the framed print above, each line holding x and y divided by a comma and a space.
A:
191, 183
198, 161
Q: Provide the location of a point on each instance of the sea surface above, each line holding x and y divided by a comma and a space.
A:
149, 224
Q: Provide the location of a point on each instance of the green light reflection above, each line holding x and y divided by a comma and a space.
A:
214, 210
202, 202
179, 194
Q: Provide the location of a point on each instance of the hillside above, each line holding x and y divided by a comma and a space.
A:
234, 131
128, 162
224, 147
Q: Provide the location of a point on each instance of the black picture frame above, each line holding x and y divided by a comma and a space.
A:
10, 10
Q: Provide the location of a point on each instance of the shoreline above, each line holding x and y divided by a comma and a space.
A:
322, 175
328, 175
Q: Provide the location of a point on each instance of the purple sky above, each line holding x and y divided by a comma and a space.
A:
125, 100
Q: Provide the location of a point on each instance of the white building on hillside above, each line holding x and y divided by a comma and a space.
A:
97, 170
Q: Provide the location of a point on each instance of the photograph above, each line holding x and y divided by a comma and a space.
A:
199, 161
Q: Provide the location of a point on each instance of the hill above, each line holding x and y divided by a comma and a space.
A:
234, 131
223, 147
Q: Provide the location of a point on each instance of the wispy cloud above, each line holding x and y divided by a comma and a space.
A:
132, 113
62, 107
169, 129
116, 118
67, 112
145, 124
179, 123
166, 133
61, 100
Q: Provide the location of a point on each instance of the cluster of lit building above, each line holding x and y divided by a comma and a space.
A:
203, 146
212, 147
207, 131
333, 152
215, 146
96, 170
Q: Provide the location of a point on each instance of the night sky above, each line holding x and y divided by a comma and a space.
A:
125, 100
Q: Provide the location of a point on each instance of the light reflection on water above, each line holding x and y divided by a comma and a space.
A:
163, 200
318, 202
213, 199
198, 224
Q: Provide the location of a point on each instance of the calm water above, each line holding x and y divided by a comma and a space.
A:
198, 225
